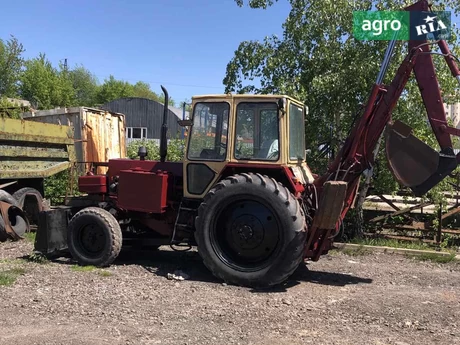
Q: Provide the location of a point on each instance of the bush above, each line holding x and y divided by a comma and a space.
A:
176, 148
56, 186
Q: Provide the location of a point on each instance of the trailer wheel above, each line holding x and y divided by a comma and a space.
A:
7, 197
94, 237
250, 231
17, 221
31, 201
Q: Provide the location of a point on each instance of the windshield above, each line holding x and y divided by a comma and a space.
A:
296, 133
208, 138
257, 131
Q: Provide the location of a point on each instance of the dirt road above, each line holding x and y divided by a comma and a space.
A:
370, 299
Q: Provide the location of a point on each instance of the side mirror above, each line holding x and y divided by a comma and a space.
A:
307, 152
282, 106
185, 123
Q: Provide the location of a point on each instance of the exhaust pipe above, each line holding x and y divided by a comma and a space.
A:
164, 128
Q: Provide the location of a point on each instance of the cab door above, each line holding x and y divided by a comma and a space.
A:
208, 146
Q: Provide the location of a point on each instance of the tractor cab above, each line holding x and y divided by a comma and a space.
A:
238, 133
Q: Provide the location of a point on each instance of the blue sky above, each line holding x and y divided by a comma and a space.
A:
184, 44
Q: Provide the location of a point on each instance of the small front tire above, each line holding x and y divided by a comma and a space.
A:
94, 237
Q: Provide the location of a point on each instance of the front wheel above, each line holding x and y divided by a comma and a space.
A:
250, 231
94, 237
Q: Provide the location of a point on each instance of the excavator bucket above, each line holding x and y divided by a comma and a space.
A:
413, 163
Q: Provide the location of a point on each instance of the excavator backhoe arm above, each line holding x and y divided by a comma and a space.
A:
412, 162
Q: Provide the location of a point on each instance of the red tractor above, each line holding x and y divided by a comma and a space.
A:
244, 194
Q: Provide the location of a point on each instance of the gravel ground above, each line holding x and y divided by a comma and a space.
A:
370, 299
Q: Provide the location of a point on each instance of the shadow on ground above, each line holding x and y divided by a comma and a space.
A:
304, 274
163, 261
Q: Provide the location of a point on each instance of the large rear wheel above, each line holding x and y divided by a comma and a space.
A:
250, 231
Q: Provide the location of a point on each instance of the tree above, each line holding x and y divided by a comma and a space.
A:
318, 61
45, 86
85, 85
11, 63
113, 89
142, 89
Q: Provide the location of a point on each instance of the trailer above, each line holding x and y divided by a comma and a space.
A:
29, 153
100, 135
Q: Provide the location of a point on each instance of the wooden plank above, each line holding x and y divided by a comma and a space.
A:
402, 238
389, 202
411, 228
405, 210
450, 213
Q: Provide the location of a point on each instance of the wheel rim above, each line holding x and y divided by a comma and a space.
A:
246, 234
91, 239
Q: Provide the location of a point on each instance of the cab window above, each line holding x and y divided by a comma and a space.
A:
257, 131
208, 137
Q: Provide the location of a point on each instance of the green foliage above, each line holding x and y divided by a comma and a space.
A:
30, 236
113, 89
11, 63
85, 86
175, 149
9, 109
46, 86
58, 185
37, 258
318, 61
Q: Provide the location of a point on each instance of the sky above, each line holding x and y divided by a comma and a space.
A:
184, 45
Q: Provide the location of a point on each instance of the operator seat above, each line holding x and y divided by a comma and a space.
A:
268, 148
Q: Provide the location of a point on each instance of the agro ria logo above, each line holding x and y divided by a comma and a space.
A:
401, 25
430, 25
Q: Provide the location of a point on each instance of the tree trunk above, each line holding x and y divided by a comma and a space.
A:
358, 228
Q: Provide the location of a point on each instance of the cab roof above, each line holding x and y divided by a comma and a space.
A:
240, 96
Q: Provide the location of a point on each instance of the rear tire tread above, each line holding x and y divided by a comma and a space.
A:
290, 260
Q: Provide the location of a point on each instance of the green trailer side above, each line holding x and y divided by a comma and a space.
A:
31, 151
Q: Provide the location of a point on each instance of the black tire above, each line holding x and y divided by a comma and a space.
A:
17, 221
258, 248
7, 197
31, 207
94, 237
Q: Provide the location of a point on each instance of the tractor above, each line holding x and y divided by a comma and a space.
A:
244, 194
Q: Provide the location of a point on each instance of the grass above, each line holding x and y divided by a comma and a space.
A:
89, 268
393, 243
30, 236
7, 278
360, 251
78, 268
440, 259
12, 261
104, 273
